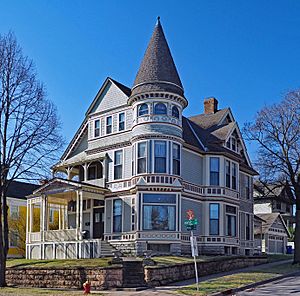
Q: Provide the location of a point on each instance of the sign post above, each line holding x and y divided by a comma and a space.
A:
191, 224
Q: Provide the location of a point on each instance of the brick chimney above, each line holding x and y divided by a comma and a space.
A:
210, 105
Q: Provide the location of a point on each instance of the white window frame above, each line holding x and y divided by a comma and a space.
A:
122, 164
106, 125
123, 112
14, 214
99, 129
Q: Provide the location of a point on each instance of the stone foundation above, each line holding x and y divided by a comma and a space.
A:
157, 276
66, 278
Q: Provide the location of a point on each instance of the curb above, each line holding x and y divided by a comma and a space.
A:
243, 288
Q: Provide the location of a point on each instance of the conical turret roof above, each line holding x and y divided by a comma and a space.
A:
157, 71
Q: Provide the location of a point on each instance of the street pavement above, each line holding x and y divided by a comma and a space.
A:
286, 286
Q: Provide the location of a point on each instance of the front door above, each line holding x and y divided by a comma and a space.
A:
98, 227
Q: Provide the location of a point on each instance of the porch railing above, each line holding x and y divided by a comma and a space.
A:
60, 235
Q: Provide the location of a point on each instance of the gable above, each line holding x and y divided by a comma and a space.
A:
109, 97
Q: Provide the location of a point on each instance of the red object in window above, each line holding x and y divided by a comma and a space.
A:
87, 288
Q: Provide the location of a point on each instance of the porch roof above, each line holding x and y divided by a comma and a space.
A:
58, 185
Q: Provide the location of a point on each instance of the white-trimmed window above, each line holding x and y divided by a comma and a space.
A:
121, 121
214, 164
214, 219
227, 173
97, 128
14, 212
160, 109
231, 174
143, 109
231, 226
160, 157
51, 215
175, 112
176, 159
118, 164
234, 176
108, 125
142, 158
232, 144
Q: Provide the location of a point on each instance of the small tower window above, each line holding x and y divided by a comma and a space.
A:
143, 109
160, 108
175, 112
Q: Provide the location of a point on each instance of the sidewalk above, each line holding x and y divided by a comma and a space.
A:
170, 289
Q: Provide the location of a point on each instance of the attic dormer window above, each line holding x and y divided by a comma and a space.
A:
160, 109
175, 112
143, 109
232, 144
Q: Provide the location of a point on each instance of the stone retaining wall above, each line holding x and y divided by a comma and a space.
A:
66, 278
157, 276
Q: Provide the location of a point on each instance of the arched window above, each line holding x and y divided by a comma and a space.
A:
160, 108
143, 109
175, 112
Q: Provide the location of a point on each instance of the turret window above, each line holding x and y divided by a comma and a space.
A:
143, 110
175, 112
176, 159
160, 109
160, 157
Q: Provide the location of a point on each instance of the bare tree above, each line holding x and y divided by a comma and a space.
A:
277, 131
29, 129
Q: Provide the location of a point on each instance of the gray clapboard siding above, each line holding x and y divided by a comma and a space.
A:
191, 167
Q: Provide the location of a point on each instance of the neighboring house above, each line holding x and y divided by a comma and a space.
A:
258, 235
274, 198
273, 232
16, 200
135, 167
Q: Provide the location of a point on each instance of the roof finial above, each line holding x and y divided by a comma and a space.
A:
158, 20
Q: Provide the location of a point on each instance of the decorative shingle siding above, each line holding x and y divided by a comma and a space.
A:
109, 140
192, 167
158, 129
112, 97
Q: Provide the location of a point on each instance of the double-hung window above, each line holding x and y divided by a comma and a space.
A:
234, 176
247, 187
142, 158
159, 212
108, 125
230, 221
247, 227
176, 159
214, 171
97, 128
14, 212
118, 164
160, 157
117, 215
121, 121
214, 218
227, 173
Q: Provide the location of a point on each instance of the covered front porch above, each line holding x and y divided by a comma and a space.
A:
65, 220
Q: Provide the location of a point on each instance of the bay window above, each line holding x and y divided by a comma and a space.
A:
160, 157
142, 158
214, 171
118, 164
117, 215
234, 176
214, 217
176, 159
159, 212
227, 173
230, 221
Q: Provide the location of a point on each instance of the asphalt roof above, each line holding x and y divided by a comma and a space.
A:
20, 190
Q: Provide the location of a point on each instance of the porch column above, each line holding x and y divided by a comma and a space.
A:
85, 171
80, 214
66, 223
77, 212
59, 218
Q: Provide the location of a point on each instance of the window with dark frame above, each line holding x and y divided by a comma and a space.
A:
214, 217
97, 128
234, 176
108, 125
227, 173
175, 112
231, 225
121, 121
118, 164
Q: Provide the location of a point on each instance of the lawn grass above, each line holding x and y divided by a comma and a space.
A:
279, 257
238, 280
97, 262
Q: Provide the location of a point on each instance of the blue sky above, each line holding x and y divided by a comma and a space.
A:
245, 53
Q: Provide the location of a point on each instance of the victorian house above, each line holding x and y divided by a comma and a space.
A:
135, 167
